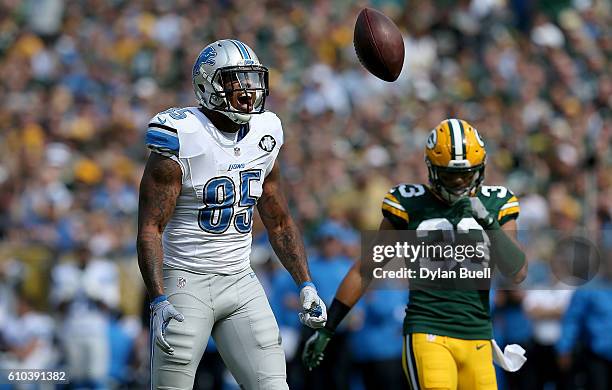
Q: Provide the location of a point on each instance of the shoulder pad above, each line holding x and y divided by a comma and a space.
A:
394, 203
162, 134
500, 200
268, 122
408, 191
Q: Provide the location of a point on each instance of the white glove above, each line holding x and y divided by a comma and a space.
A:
162, 312
480, 213
313, 313
511, 359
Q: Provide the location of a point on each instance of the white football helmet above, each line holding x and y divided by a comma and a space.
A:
227, 67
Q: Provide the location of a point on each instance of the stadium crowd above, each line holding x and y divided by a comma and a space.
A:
79, 81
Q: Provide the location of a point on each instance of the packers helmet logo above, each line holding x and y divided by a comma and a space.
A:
432, 139
480, 141
267, 143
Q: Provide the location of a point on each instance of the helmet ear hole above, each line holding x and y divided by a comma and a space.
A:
201, 88
216, 101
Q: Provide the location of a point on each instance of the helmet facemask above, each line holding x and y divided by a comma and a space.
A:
238, 91
452, 195
228, 78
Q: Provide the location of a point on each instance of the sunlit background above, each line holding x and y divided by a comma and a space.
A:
79, 81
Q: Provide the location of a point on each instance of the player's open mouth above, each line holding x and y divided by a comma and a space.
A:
244, 100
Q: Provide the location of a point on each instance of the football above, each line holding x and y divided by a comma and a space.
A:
379, 44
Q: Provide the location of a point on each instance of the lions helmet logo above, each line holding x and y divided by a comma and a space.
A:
267, 143
207, 56
432, 139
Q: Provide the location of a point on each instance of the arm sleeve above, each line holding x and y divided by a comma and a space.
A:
506, 255
571, 323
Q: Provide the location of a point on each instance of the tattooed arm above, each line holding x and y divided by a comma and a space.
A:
282, 231
159, 188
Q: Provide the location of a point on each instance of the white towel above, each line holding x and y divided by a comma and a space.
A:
511, 359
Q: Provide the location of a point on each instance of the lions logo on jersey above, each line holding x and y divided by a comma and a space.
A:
267, 143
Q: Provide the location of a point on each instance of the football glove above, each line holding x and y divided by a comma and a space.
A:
313, 313
315, 347
162, 312
481, 214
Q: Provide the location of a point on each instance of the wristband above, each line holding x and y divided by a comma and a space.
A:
336, 313
311, 284
159, 299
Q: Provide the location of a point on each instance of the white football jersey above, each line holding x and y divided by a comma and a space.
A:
223, 175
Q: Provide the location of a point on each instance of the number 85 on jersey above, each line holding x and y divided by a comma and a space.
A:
220, 209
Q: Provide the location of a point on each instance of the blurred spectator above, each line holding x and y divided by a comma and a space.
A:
331, 263
285, 303
85, 292
28, 337
328, 268
121, 343
79, 80
512, 326
545, 307
11, 279
376, 345
587, 322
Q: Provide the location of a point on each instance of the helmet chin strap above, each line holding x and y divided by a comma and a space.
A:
451, 197
235, 117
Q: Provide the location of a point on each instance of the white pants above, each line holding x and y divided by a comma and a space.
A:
235, 311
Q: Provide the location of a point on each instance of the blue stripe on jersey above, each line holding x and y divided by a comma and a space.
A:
244, 129
243, 49
158, 139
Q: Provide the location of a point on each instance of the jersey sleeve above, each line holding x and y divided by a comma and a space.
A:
277, 133
501, 201
162, 137
393, 210
509, 210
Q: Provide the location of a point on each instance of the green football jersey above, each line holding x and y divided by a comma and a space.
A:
459, 313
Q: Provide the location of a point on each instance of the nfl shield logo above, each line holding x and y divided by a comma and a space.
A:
236, 151
181, 282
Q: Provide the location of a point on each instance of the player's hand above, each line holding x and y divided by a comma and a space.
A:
315, 347
162, 312
313, 311
480, 213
